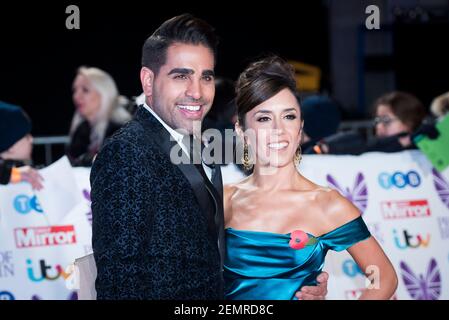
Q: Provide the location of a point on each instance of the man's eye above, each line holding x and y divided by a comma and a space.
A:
181, 77
263, 119
208, 78
290, 116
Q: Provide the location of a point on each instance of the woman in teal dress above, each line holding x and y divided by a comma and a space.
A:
280, 225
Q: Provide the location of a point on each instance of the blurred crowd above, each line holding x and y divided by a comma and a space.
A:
398, 118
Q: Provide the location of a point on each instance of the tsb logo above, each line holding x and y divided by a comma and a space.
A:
410, 241
399, 180
24, 204
44, 236
405, 209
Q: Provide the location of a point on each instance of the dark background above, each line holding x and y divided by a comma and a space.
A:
39, 56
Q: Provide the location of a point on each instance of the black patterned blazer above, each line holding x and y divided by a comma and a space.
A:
155, 225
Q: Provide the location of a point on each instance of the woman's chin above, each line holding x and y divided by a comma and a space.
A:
277, 164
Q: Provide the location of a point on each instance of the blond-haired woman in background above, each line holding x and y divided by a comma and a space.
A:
100, 111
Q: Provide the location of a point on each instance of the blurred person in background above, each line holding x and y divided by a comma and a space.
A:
398, 116
222, 116
321, 119
440, 106
100, 111
223, 113
16, 145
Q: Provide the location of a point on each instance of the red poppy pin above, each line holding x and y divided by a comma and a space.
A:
299, 239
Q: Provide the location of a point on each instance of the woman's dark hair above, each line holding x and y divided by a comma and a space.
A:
262, 80
405, 106
180, 29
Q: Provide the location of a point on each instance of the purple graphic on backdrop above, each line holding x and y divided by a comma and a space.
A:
443, 223
442, 187
86, 195
359, 193
422, 287
72, 296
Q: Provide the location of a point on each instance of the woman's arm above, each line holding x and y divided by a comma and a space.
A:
372, 260
368, 254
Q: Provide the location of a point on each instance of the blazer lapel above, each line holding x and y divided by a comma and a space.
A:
156, 131
217, 181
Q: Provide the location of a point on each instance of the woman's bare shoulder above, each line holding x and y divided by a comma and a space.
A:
337, 209
230, 189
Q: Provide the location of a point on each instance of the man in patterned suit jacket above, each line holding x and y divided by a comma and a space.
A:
158, 227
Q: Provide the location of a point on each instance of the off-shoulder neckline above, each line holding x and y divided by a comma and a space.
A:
288, 234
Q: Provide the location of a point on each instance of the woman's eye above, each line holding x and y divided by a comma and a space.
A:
263, 119
290, 116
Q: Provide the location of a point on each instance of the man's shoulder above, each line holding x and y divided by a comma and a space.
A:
132, 136
132, 129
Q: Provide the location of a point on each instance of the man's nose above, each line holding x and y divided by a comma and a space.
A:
194, 90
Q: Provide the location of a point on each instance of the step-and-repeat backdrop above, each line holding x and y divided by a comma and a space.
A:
402, 198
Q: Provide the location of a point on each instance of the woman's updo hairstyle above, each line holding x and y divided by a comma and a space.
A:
260, 81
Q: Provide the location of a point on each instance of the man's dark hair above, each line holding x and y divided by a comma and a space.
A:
185, 29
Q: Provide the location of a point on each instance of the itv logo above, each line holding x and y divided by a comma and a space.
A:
45, 272
406, 240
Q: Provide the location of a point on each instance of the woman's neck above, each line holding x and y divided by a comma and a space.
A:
276, 178
91, 118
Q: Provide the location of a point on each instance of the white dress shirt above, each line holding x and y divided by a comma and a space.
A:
178, 138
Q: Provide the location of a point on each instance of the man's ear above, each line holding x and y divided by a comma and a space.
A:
147, 80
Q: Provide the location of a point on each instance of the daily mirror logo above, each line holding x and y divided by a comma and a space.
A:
405, 209
44, 236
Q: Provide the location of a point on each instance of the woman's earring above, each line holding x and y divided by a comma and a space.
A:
298, 155
246, 159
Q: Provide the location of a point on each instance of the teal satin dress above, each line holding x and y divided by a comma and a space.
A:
266, 266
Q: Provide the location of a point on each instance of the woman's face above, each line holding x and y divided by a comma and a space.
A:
273, 130
387, 124
86, 98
